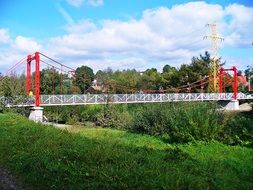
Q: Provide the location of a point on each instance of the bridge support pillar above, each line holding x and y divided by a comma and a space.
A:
229, 105
36, 114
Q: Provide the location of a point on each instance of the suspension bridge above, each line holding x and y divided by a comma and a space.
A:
41, 100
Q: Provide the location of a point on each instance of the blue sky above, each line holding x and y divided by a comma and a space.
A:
124, 34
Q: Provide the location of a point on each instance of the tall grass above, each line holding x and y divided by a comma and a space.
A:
47, 158
174, 122
180, 122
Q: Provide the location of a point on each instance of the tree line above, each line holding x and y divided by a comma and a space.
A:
170, 79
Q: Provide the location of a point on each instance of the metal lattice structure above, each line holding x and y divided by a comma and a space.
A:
214, 66
49, 100
62, 100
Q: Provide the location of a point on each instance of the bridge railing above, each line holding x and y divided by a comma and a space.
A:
47, 100
54, 100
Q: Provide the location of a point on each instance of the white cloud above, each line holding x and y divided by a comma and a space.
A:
26, 45
78, 3
4, 36
239, 27
13, 50
65, 15
95, 2
161, 36
82, 26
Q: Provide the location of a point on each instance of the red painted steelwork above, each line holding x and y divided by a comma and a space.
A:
221, 79
235, 82
37, 79
28, 74
235, 85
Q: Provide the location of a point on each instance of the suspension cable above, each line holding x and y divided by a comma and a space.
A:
67, 72
61, 80
52, 80
57, 62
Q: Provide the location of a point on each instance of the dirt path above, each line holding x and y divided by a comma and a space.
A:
7, 181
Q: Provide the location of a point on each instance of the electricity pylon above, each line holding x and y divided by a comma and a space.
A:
214, 66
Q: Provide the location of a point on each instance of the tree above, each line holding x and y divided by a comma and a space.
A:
169, 69
168, 75
102, 77
13, 86
48, 81
126, 81
84, 78
187, 73
150, 80
53, 82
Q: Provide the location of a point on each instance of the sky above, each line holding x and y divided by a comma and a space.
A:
129, 34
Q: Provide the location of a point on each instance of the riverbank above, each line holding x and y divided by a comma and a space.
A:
44, 157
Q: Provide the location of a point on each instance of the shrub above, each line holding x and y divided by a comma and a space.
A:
182, 122
151, 119
173, 122
238, 130
90, 113
114, 116
198, 121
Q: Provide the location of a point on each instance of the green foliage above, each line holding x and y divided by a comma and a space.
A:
103, 77
90, 112
182, 122
239, 130
130, 81
114, 117
198, 121
12, 86
73, 114
174, 122
151, 119
44, 157
125, 81
50, 81
84, 78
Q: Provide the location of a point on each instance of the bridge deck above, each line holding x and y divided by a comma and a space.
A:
56, 100
51, 100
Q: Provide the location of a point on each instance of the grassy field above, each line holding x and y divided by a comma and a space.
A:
43, 157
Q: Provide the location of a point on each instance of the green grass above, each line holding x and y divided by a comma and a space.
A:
44, 157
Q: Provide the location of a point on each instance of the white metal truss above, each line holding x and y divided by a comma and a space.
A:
56, 100
51, 100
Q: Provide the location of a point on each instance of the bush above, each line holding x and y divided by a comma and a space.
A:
90, 112
173, 122
151, 119
198, 121
238, 130
114, 116
73, 114
182, 122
